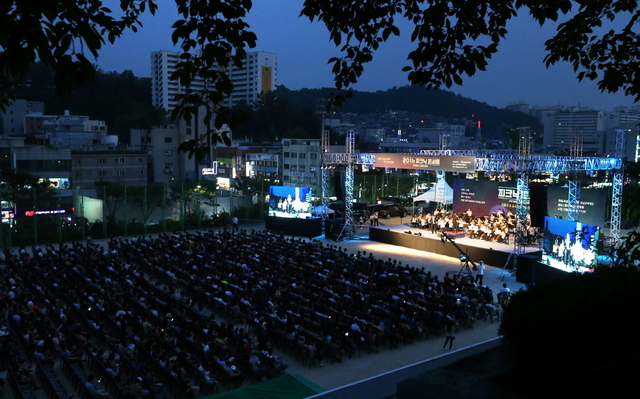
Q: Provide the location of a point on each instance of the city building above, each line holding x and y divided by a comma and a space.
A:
626, 119
43, 162
115, 166
12, 120
577, 127
372, 135
257, 75
165, 163
33, 127
519, 106
264, 164
8, 146
77, 132
443, 135
301, 163
242, 160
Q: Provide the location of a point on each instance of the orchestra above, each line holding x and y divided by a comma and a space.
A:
497, 227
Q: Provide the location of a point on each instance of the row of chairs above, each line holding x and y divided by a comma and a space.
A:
50, 383
20, 389
76, 376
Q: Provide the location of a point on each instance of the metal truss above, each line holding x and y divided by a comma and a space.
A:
348, 186
324, 175
440, 188
616, 207
522, 209
546, 164
616, 201
573, 204
325, 192
503, 161
512, 162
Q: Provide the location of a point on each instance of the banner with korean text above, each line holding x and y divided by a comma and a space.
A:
446, 163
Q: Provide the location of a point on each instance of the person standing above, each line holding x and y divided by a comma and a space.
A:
480, 273
234, 224
450, 333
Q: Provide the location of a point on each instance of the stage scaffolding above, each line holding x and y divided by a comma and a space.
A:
510, 162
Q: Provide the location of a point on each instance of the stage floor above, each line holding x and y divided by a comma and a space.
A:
493, 253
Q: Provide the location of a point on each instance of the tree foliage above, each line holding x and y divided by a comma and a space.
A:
148, 198
122, 100
60, 34
273, 117
575, 335
453, 39
112, 196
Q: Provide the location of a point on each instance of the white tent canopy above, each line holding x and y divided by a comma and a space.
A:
321, 209
432, 194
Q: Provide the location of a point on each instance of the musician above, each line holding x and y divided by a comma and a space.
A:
288, 203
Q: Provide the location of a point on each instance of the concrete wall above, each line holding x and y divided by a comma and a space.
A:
386, 385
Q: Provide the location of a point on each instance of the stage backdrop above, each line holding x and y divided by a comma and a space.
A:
593, 204
486, 197
483, 197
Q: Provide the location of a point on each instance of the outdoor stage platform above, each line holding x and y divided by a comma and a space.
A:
492, 253
292, 226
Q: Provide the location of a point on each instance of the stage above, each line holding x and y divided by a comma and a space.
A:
492, 253
292, 226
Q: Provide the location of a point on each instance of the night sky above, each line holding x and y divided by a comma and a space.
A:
516, 73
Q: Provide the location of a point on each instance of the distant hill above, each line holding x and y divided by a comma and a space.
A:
495, 121
123, 101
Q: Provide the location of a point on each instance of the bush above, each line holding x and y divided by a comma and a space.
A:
577, 334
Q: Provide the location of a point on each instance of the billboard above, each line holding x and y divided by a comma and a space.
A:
446, 163
484, 197
266, 79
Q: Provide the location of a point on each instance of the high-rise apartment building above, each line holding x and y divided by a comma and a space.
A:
258, 74
576, 128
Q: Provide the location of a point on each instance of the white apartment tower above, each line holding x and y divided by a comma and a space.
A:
258, 74
563, 128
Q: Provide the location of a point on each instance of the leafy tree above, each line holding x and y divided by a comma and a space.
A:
575, 335
148, 198
60, 34
28, 194
191, 195
457, 38
112, 196
453, 39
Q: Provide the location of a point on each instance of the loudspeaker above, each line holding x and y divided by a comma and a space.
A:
338, 184
537, 204
332, 228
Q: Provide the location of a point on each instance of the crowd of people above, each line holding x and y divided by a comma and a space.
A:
498, 227
189, 312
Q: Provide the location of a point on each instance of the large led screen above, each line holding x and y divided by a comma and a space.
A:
569, 245
289, 200
592, 207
